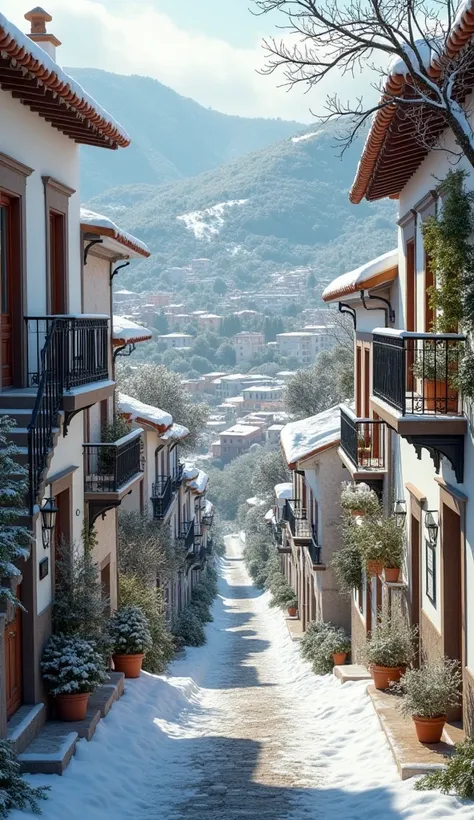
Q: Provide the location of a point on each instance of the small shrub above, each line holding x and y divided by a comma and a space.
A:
457, 777
359, 497
130, 632
319, 643
16, 793
380, 539
347, 566
188, 628
72, 666
392, 643
429, 691
135, 592
202, 608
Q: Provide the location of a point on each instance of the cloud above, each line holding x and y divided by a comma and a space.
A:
139, 39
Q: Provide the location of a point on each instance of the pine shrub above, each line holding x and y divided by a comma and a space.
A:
15, 792
15, 540
392, 644
129, 631
430, 690
135, 592
188, 628
72, 665
319, 643
457, 777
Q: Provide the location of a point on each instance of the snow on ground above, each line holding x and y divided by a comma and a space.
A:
207, 223
240, 729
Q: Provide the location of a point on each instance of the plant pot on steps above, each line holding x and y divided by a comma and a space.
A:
339, 658
72, 707
391, 574
130, 665
384, 675
429, 730
292, 611
374, 567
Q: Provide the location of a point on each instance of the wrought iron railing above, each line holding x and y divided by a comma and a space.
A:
295, 515
277, 534
208, 519
363, 440
178, 477
315, 550
161, 496
81, 349
417, 373
187, 536
109, 467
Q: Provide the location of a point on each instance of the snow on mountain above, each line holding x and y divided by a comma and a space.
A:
206, 223
306, 136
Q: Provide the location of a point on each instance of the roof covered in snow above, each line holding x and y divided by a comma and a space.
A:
175, 433
284, 490
378, 271
51, 90
199, 483
190, 472
101, 225
308, 437
127, 332
144, 413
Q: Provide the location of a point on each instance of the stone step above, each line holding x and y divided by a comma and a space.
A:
25, 725
51, 751
21, 416
17, 399
351, 671
19, 435
105, 696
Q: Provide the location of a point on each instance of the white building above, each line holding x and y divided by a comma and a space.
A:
247, 344
301, 345
175, 340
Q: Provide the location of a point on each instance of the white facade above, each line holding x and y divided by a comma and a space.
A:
247, 345
303, 346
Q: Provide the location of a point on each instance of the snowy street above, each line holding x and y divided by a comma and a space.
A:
241, 728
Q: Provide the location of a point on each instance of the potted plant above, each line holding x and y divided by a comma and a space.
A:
427, 693
74, 669
359, 499
131, 639
389, 649
340, 645
292, 606
381, 542
436, 367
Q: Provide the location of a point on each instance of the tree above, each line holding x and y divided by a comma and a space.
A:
146, 549
161, 323
200, 364
15, 540
225, 355
426, 79
219, 286
328, 382
230, 325
271, 469
311, 281
158, 386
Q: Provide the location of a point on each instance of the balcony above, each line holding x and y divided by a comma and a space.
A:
111, 470
208, 519
178, 477
295, 516
161, 496
315, 550
415, 392
363, 445
186, 535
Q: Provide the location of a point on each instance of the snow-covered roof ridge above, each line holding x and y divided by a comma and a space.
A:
190, 472
307, 437
199, 483
284, 490
127, 332
142, 413
368, 275
100, 224
30, 55
175, 433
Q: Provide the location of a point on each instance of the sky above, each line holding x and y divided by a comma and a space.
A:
209, 50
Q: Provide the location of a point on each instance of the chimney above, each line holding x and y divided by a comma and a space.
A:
38, 18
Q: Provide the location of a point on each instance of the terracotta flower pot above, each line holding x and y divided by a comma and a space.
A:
374, 567
429, 730
72, 707
339, 658
391, 574
355, 513
384, 675
292, 611
130, 665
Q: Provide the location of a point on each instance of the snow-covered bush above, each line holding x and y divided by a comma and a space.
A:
136, 592
380, 539
72, 665
201, 607
188, 629
392, 644
359, 497
319, 643
457, 777
430, 690
347, 566
15, 540
282, 593
130, 632
16, 793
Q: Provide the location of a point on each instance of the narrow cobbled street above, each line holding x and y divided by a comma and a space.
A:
240, 729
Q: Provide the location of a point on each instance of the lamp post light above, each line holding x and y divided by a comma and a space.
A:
49, 513
431, 524
400, 512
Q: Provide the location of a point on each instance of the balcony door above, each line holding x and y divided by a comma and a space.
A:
57, 262
13, 662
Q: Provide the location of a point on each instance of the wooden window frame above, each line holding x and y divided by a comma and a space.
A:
57, 198
431, 549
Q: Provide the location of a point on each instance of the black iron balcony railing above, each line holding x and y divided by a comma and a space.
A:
363, 440
186, 535
161, 496
416, 373
63, 352
208, 519
81, 349
178, 477
297, 520
315, 550
110, 467
276, 534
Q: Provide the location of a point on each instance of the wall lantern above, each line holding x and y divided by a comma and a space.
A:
400, 512
49, 512
431, 525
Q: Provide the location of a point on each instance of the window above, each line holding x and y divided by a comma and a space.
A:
411, 286
430, 560
57, 262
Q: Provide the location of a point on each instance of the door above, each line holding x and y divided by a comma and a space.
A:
452, 590
13, 663
57, 263
62, 532
6, 273
415, 560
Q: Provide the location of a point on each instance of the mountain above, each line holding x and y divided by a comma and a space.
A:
172, 137
282, 207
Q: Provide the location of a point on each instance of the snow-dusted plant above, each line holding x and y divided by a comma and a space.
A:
15, 540
457, 777
16, 793
429, 691
188, 629
319, 643
392, 643
72, 665
380, 539
359, 497
129, 631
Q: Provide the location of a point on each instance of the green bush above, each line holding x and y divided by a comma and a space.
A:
135, 592
16, 793
359, 497
129, 631
188, 628
430, 690
347, 566
320, 641
457, 777
72, 666
392, 643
